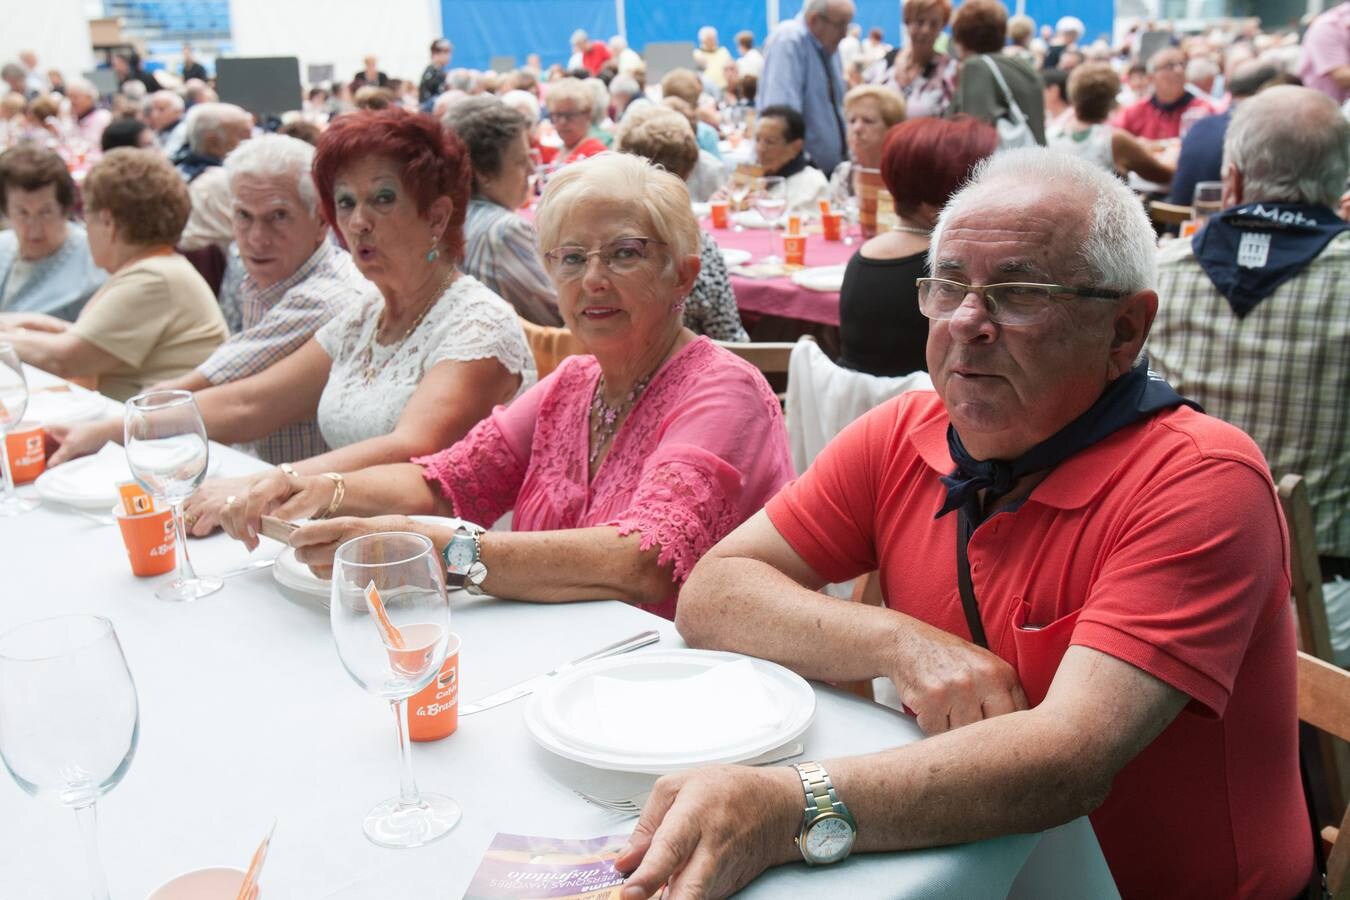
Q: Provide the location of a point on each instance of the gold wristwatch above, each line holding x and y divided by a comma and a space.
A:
828, 830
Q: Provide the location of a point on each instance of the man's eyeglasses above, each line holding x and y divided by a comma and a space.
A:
1011, 303
620, 256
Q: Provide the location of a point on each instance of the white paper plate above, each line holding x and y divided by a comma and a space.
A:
733, 257
562, 717
63, 407
820, 278
291, 573
750, 218
90, 482
701, 210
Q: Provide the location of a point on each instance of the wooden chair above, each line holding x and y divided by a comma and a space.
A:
1324, 703
771, 358
1314, 634
550, 345
1168, 213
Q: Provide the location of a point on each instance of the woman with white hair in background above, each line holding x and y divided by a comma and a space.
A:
501, 247
571, 104
664, 137
87, 119
623, 466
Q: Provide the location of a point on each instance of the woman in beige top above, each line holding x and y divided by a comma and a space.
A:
155, 318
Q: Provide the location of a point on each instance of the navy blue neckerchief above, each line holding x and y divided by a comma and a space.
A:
1135, 395
1250, 250
797, 163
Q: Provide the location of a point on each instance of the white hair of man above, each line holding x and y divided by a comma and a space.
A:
82, 86
624, 86
815, 8
1201, 69
169, 98
205, 119
618, 43
1291, 144
707, 31
525, 103
1119, 250
276, 156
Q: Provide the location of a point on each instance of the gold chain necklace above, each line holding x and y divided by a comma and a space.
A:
367, 362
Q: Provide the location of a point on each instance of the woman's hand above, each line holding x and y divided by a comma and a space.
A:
33, 322
67, 442
273, 493
201, 512
316, 542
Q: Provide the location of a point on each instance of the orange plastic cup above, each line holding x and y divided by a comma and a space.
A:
719, 210
833, 226
794, 249
150, 540
433, 712
26, 457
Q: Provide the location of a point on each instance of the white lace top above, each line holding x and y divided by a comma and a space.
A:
468, 322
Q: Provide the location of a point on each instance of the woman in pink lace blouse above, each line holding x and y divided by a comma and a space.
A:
622, 467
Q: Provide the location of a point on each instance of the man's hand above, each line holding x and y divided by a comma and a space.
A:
316, 542
66, 442
708, 832
30, 321
949, 682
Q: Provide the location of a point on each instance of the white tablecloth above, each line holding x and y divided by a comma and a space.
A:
247, 714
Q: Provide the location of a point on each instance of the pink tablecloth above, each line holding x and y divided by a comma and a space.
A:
780, 296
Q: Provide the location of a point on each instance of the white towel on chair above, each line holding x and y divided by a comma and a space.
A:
822, 398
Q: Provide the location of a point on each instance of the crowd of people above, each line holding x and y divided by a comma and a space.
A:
351, 298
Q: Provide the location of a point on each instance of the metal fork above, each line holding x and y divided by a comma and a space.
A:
632, 805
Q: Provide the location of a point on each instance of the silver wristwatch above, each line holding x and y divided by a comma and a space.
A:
464, 557
828, 830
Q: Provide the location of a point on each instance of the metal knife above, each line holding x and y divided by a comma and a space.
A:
530, 685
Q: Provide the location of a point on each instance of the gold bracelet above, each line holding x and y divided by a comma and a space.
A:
339, 492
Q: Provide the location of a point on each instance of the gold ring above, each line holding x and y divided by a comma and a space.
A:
190, 519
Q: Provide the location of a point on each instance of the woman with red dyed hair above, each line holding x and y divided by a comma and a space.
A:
411, 363
923, 162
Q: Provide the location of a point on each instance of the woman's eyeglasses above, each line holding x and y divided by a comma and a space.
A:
619, 256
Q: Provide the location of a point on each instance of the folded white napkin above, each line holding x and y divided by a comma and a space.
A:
720, 707
91, 477
62, 407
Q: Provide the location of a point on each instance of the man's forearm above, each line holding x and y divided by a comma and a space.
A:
727, 602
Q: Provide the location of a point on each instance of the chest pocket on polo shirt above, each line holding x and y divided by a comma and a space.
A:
1040, 647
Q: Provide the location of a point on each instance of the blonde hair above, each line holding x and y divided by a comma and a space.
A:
661, 135
621, 178
891, 104
573, 89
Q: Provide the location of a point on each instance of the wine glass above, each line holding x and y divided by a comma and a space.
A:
69, 718
1207, 200
392, 642
770, 200
167, 452
739, 190
13, 403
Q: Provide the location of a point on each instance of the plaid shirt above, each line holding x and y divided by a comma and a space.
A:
1282, 374
275, 322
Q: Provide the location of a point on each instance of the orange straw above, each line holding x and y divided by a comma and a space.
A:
392, 637
249, 889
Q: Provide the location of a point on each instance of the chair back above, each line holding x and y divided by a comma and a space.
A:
1168, 213
550, 345
823, 398
770, 357
1324, 703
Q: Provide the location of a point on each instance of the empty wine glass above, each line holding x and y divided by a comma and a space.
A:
13, 403
739, 190
167, 452
69, 718
392, 641
769, 197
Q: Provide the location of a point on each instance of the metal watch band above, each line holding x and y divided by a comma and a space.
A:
473, 579
820, 794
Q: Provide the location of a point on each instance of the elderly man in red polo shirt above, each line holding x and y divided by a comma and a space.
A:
1158, 116
1086, 585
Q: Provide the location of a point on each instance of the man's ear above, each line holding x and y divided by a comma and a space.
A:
1130, 329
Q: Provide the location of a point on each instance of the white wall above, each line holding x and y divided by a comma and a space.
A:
340, 32
56, 30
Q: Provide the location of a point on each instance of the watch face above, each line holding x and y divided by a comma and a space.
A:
829, 840
459, 554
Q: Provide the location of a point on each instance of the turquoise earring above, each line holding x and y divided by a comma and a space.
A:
432, 254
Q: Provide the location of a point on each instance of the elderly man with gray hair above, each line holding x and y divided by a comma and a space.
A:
295, 280
164, 113
1254, 320
213, 131
1085, 584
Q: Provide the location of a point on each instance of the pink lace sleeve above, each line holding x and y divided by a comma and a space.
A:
481, 474
686, 501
